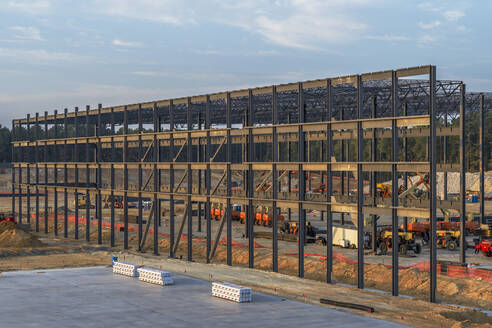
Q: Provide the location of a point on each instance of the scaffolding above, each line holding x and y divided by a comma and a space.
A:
172, 147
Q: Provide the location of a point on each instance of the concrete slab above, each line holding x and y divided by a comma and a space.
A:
94, 297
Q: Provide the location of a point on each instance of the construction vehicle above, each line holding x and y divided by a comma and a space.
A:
261, 215
449, 239
116, 201
84, 202
7, 217
292, 228
485, 246
406, 242
348, 237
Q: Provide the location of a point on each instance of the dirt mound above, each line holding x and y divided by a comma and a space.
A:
468, 318
13, 236
7, 225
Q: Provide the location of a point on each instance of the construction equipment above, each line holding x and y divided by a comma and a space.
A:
84, 202
348, 237
449, 239
406, 242
485, 246
7, 217
292, 228
116, 201
261, 215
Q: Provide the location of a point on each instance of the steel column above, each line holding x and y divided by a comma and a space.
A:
433, 184
171, 180
301, 183
275, 159
329, 184
65, 173
189, 189
229, 178
482, 159
360, 187
394, 184
462, 175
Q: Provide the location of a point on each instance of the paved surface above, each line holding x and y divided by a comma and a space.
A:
94, 297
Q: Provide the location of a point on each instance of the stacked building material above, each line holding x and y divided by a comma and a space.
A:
232, 292
125, 268
155, 276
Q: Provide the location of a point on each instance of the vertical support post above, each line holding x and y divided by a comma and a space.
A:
482, 159
275, 159
28, 173
55, 176
374, 176
289, 175
405, 159
125, 177
13, 167
171, 180
20, 159
199, 159
229, 178
99, 175
250, 219
45, 159
189, 189
302, 181
433, 184
462, 175
156, 182
113, 160
65, 173
445, 157
360, 188
76, 174
208, 174
88, 200
140, 160
329, 184
394, 185
36, 158
342, 174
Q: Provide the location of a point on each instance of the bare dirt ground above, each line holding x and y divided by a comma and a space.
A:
49, 252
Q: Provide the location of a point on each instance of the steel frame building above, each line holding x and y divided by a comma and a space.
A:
176, 144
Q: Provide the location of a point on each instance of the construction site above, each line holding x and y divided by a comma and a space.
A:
297, 191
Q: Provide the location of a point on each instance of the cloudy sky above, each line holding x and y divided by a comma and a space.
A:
61, 53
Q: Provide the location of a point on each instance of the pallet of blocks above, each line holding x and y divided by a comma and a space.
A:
232, 292
125, 268
155, 276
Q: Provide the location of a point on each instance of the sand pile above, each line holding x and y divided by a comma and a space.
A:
13, 236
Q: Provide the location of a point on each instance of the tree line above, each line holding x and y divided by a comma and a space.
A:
416, 147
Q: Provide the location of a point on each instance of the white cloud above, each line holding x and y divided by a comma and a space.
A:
26, 33
453, 15
163, 11
429, 26
38, 55
302, 24
299, 24
426, 39
129, 44
388, 37
30, 6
